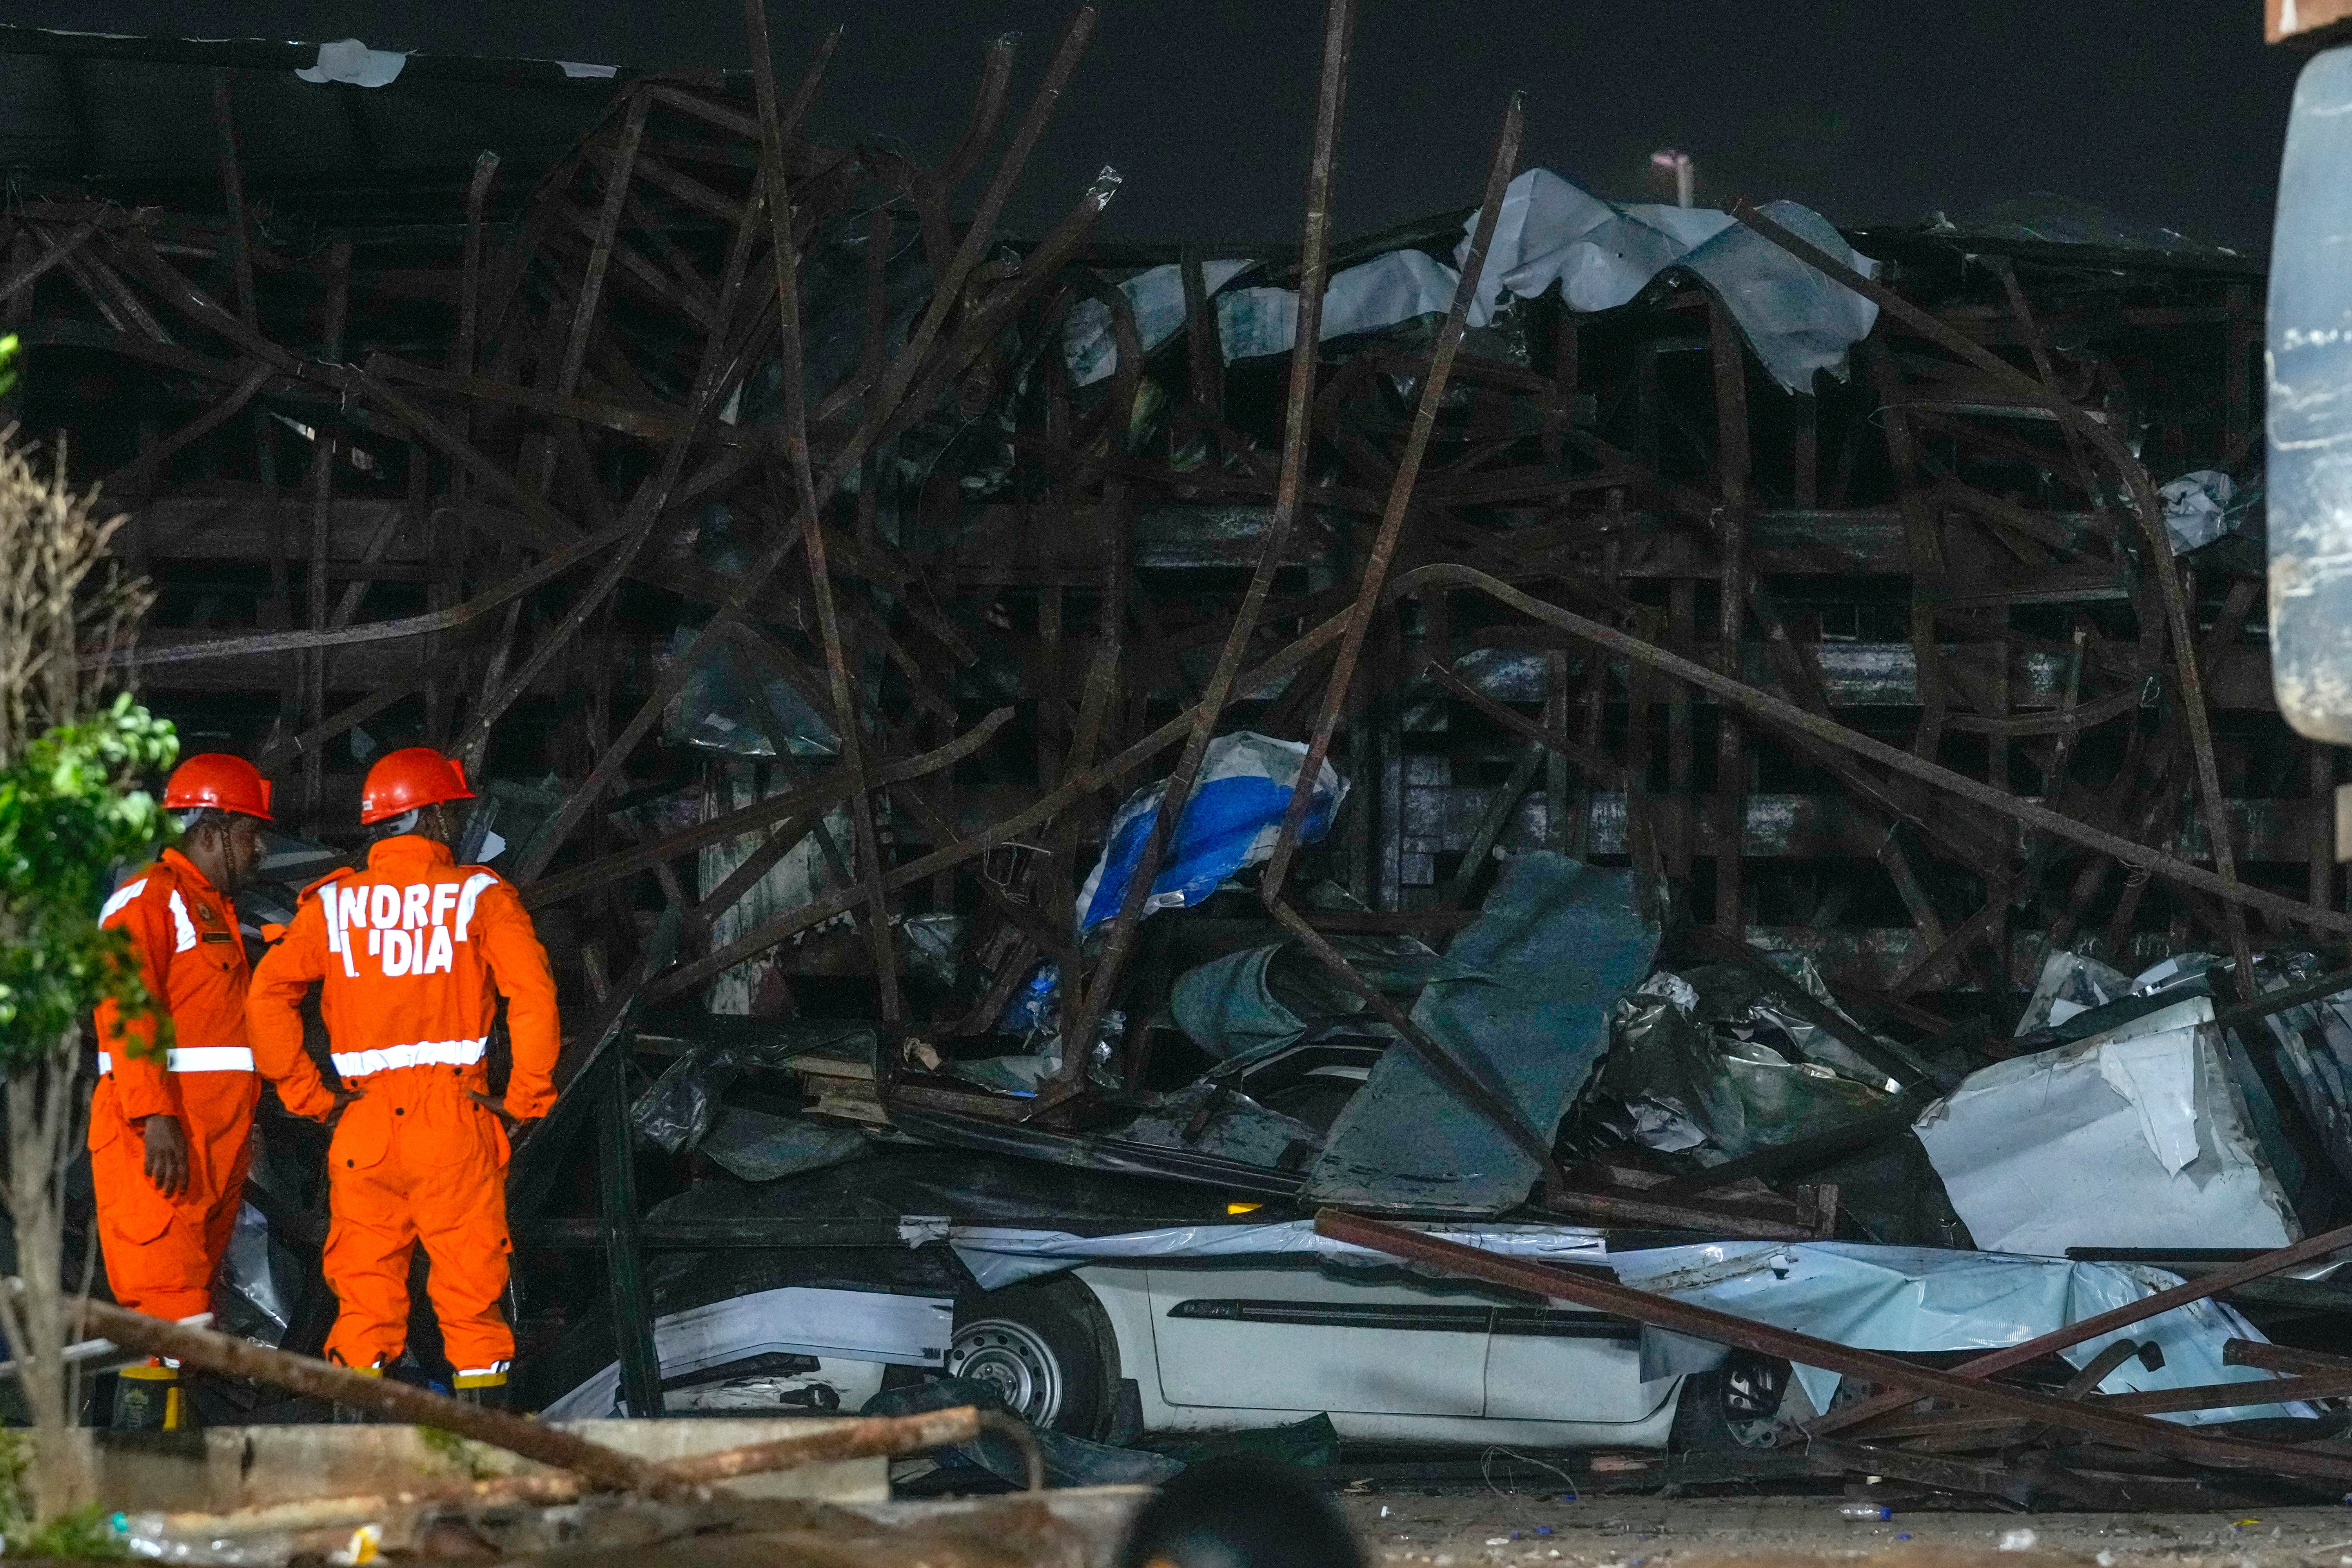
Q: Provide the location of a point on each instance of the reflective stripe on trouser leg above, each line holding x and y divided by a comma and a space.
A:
482, 1376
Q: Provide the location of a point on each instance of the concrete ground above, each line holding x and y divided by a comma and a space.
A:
1532, 1529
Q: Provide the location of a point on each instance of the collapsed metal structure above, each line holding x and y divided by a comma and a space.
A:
1902, 675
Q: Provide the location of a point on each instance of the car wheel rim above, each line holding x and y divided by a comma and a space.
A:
1012, 1359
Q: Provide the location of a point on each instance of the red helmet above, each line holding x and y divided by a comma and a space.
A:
411, 777
220, 781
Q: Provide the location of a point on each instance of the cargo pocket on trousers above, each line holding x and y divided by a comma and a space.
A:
131, 1210
361, 1139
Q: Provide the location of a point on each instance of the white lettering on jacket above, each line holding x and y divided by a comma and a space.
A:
410, 930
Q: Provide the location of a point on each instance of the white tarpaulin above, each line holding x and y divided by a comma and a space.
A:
2134, 1138
1549, 231
999, 1256
796, 1319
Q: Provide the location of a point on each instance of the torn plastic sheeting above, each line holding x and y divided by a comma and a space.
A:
760, 1146
1672, 1083
246, 1268
1815, 1044
2200, 507
1020, 1072
1001, 1255
796, 1320
2135, 1138
933, 946
1908, 1298
678, 1107
1232, 821
1523, 1000
1155, 295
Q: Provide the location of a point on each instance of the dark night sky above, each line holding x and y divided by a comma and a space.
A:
2165, 111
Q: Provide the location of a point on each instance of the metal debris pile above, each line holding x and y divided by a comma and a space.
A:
1781, 713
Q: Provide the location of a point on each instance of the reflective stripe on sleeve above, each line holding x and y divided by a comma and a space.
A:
184, 929
122, 897
466, 897
196, 1058
421, 1054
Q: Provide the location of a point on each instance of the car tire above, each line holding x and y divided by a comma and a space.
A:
1045, 1350
1736, 1408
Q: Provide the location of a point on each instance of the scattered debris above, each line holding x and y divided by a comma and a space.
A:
1789, 870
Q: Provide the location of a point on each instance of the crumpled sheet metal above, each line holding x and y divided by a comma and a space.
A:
2135, 1138
2313, 1046
1523, 999
1397, 287
1238, 1128
1227, 1009
2071, 983
1927, 1298
1602, 256
1234, 1007
799, 1320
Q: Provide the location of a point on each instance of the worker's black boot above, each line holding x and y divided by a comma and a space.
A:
149, 1398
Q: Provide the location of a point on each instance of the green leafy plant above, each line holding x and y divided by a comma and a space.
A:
80, 1532
70, 811
71, 754
84, 1531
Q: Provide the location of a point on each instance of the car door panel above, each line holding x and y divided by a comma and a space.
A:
1552, 1365
1277, 1337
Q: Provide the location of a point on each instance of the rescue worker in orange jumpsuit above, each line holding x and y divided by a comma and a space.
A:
171, 1129
412, 952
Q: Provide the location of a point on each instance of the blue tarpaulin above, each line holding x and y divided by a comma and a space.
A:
1230, 821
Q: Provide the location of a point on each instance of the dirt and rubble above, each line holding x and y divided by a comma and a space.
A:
1456, 1530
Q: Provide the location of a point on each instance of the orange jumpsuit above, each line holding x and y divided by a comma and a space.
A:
162, 1253
409, 951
